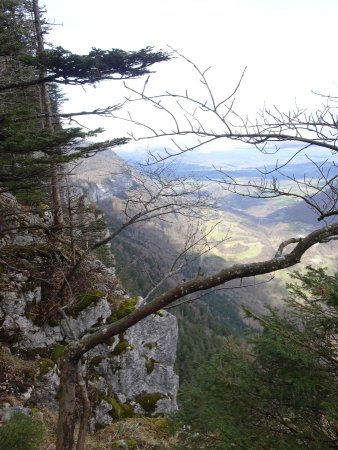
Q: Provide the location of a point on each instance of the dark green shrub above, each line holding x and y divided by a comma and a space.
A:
21, 433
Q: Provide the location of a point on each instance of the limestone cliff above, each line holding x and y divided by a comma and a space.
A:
131, 373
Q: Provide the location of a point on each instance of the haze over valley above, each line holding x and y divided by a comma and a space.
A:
251, 228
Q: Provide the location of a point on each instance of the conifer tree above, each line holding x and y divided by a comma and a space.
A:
278, 389
34, 146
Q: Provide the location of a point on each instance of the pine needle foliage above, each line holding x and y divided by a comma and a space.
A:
279, 388
66, 67
32, 140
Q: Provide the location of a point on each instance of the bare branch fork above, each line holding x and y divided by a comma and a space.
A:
236, 271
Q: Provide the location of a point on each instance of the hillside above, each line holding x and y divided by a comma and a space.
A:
145, 252
253, 228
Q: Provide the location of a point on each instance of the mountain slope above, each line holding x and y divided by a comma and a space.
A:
144, 253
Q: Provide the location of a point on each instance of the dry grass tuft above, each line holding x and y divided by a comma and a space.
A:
148, 433
16, 375
144, 433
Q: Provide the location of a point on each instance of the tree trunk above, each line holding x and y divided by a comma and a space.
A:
71, 222
67, 403
46, 110
57, 198
86, 409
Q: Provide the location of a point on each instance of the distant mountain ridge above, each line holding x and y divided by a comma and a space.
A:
228, 159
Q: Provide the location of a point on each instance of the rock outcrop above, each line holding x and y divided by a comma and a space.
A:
133, 373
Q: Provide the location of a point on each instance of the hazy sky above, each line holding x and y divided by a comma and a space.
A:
289, 46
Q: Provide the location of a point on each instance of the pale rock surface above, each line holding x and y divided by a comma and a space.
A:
145, 366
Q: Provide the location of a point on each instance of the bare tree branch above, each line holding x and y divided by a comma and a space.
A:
236, 271
158, 195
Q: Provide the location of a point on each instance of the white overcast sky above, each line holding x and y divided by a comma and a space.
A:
289, 46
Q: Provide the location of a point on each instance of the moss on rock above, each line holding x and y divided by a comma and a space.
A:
46, 365
149, 400
119, 410
121, 347
57, 351
130, 444
126, 307
86, 300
